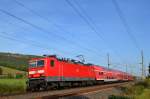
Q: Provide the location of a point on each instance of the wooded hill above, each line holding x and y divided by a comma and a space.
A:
16, 61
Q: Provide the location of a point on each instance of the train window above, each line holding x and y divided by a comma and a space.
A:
40, 63
32, 64
100, 73
52, 63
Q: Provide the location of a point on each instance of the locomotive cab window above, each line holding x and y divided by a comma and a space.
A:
36, 63
40, 63
52, 63
32, 64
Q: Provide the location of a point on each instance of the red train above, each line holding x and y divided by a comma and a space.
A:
53, 72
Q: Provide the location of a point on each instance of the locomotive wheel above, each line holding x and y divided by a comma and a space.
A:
43, 86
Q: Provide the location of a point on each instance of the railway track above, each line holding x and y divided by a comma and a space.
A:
55, 94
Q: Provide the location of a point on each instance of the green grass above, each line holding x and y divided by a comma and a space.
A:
12, 86
140, 90
7, 70
144, 95
11, 73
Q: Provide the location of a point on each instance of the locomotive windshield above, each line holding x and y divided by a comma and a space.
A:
37, 63
32, 64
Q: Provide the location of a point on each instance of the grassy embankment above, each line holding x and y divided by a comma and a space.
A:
11, 86
13, 63
139, 90
7, 70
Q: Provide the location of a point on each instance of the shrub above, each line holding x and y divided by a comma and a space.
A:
142, 83
19, 75
133, 90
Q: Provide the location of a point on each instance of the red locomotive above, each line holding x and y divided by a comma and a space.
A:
51, 71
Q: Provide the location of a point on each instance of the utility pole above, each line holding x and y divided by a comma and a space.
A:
149, 70
126, 71
142, 64
126, 68
132, 69
108, 60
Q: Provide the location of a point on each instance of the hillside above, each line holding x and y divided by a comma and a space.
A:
7, 70
16, 61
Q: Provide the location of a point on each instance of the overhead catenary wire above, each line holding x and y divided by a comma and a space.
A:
88, 20
20, 41
57, 26
36, 41
31, 24
39, 15
23, 28
85, 19
44, 30
30, 42
40, 43
125, 24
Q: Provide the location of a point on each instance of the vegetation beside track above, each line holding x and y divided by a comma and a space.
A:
12, 81
12, 86
139, 90
6, 70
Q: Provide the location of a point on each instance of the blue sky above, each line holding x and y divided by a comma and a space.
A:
67, 34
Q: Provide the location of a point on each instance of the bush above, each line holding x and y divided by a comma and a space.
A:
142, 83
19, 75
147, 81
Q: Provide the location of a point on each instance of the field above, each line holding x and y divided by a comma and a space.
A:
6, 70
12, 86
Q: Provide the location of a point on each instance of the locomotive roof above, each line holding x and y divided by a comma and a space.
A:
70, 60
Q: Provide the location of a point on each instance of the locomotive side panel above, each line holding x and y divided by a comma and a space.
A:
53, 70
76, 72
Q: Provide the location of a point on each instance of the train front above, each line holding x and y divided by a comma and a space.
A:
36, 74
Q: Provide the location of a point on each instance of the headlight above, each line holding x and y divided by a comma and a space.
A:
40, 71
31, 72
